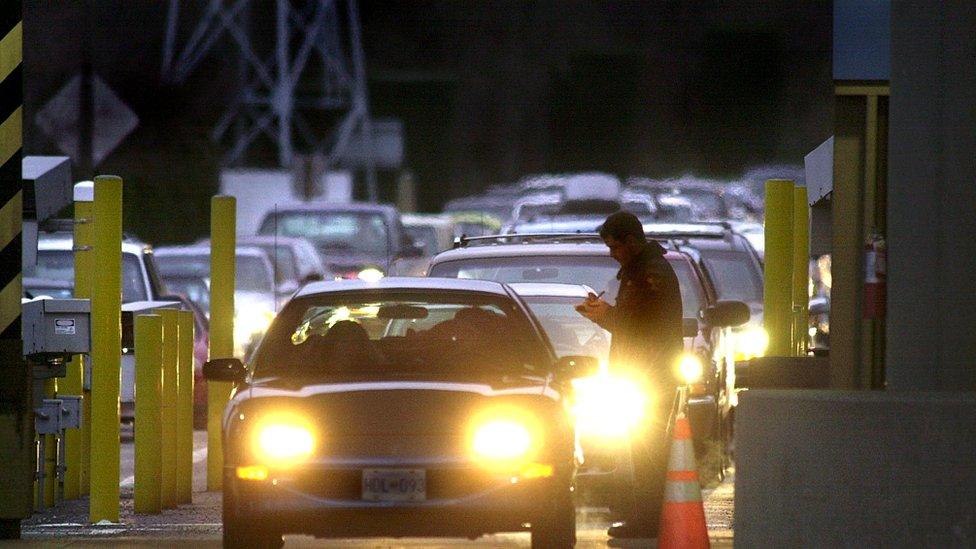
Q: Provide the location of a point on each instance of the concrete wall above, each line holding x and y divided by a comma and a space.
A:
855, 469
931, 197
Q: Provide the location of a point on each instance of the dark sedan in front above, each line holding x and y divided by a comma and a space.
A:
403, 407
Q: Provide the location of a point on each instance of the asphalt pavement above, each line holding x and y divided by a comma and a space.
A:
66, 524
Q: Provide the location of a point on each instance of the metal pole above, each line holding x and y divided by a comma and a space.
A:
223, 223
778, 278
148, 438
184, 410
801, 269
106, 307
171, 348
51, 449
73, 383
83, 237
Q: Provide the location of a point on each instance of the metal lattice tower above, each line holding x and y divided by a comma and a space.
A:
308, 33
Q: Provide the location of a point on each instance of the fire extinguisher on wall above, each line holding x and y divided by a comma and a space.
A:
875, 269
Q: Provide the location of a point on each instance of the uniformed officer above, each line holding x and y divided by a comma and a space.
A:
646, 326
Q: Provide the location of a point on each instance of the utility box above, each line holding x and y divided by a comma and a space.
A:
56, 328
47, 417
70, 411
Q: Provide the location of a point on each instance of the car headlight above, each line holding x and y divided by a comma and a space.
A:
502, 440
607, 405
750, 343
250, 320
690, 367
370, 274
283, 442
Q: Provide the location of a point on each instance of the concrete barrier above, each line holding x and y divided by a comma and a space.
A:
855, 469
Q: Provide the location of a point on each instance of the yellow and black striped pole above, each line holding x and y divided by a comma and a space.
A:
16, 426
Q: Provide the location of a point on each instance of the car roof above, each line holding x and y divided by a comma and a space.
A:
404, 283
585, 248
333, 207
549, 289
559, 224
269, 239
65, 242
195, 249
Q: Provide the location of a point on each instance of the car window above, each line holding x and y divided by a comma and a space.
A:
355, 333
60, 265
734, 275
252, 273
284, 265
568, 331
426, 235
331, 232
597, 272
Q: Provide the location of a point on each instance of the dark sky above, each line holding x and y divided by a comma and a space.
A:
487, 91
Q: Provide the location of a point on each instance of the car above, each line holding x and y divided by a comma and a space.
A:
732, 268
354, 240
400, 407
255, 301
432, 234
558, 224
584, 259
295, 261
53, 275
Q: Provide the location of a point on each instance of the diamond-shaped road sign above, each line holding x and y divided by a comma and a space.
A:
113, 120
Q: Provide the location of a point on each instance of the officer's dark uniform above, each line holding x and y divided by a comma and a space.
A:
647, 338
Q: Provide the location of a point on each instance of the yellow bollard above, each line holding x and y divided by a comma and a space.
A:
171, 349
184, 411
106, 352
801, 270
83, 276
778, 277
223, 223
148, 431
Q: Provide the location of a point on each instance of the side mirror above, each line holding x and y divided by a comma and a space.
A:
726, 313
819, 306
224, 369
575, 366
313, 277
689, 327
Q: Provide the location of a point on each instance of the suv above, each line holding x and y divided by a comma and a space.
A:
355, 240
584, 259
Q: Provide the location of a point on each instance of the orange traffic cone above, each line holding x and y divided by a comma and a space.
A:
683, 517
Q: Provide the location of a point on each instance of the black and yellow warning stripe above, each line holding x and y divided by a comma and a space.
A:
11, 198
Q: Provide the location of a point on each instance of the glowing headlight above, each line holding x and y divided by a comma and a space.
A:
502, 440
690, 367
750, 343
250, 320
281, 443
607, 406
370, 274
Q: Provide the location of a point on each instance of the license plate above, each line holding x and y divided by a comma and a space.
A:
394, 484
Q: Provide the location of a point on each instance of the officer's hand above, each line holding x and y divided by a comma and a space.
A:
593, 308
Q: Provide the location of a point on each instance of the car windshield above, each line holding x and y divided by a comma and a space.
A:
735, 275
597, 271
425, 235
342, 232
569, 332
60, 265
195, 289
284, 265
400, 335
252, 273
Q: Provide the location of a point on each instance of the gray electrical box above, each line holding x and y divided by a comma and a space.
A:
56, 328
70, 411
47, 417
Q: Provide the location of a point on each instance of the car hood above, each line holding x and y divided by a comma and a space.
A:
371, 406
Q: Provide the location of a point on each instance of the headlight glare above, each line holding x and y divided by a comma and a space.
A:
750, 343
283, 443
501, 440
370, 274
606, 405
690, 367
